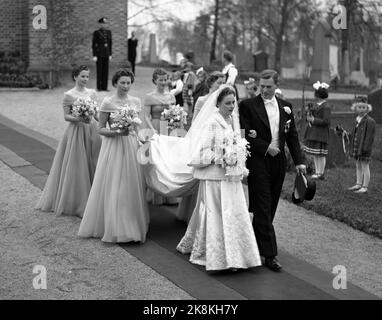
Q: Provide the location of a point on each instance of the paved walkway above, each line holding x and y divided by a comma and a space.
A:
31, 158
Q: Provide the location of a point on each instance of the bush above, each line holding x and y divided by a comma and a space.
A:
21, 81
13, 72
12, 63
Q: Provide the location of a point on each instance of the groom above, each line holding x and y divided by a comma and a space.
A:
269, 124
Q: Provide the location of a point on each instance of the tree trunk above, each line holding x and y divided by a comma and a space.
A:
215, 32
279, 36
345, 46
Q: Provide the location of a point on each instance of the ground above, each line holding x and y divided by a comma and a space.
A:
310, 245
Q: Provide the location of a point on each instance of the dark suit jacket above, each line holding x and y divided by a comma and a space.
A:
253, 116
132, 48
319, 131
101, 43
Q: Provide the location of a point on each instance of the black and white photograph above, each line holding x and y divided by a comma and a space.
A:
199, 152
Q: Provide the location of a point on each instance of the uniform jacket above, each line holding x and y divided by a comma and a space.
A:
101, 44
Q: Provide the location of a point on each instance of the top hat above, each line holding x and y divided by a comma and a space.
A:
304, 189
102, 20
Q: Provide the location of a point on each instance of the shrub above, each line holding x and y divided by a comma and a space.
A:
21, 81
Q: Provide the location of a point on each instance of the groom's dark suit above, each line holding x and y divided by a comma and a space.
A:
267, 173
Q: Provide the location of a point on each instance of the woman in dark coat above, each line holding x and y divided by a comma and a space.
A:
361, 143
317, 133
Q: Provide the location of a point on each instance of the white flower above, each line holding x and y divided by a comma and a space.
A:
287, 110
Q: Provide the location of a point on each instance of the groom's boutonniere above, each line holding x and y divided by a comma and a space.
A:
287, 126
287, 110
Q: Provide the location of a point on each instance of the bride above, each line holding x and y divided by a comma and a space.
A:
220, 234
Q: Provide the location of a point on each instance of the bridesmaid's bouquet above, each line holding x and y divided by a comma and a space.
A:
233, 155
125, 119
175, 115
84, 108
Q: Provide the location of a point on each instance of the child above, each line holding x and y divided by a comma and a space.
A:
316, 137
361, 142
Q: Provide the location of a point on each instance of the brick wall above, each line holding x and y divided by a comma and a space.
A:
13, 30
83, 16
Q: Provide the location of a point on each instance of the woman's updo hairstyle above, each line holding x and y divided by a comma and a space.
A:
213, 77
158, 72
225, 92
122, 73
77, 70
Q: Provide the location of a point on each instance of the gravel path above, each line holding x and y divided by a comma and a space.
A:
76, 268
305, 234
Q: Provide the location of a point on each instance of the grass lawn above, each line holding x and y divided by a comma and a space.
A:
360, 211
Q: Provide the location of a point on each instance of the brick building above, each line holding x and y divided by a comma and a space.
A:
80, 19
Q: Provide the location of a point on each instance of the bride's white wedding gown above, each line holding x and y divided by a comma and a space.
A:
220, 233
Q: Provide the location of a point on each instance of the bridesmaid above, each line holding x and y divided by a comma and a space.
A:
155, 102
116, 210
71, 175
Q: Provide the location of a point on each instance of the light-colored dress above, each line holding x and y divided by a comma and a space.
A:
117, 210
155, 103
71, 175
220, 233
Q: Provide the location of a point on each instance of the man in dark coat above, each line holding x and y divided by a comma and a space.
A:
102, 53
132, 44
269, 124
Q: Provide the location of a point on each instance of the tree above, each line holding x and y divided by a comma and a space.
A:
215, 31
363, 29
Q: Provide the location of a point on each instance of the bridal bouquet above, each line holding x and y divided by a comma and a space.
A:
233, 154
124, 119
175, 115
84, 108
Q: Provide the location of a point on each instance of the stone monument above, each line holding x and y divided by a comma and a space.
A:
260, 61
321, 53
300, 64
358, 76
153, 56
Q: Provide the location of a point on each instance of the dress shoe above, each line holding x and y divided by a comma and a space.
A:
362, 190
355, 187
273, 264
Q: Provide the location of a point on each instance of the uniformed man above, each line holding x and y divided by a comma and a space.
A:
102, 53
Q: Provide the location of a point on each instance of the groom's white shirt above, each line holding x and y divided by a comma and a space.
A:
272, 108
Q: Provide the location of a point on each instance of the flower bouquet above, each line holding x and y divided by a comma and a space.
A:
175, 115
232, 156
125, 119
84, 108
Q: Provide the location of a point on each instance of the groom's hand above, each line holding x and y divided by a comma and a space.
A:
301, 168
273, 151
